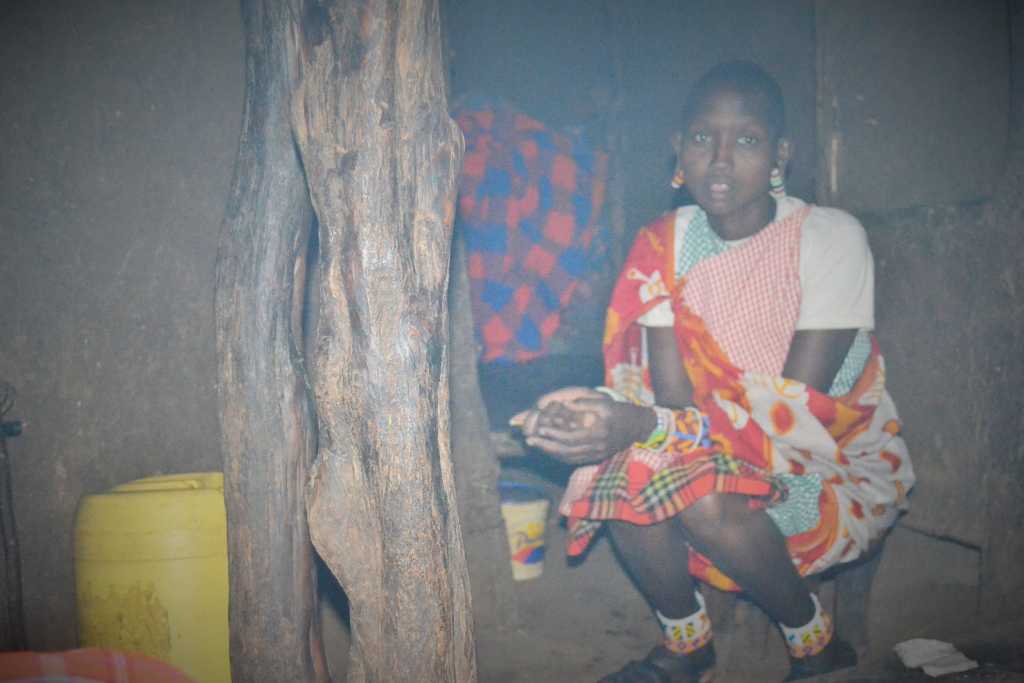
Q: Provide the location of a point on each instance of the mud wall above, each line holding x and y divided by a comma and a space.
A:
950, 324
119, 123
951, 321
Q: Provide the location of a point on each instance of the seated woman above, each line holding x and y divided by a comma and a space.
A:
746, 438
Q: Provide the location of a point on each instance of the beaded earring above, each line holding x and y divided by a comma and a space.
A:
678, 180
776, 183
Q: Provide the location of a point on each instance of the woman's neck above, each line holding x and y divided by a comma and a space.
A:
746, 221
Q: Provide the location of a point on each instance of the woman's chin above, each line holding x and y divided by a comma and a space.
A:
719, 207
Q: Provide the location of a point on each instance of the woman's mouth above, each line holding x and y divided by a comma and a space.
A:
719, 188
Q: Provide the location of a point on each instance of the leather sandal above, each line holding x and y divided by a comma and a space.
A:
837, 656
664, 666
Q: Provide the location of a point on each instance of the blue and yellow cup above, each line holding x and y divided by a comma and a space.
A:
525, 511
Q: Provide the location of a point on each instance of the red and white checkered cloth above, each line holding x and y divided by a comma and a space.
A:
749, 297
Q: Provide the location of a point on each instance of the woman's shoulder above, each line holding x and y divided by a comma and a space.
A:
832, 230
827, 226
830, 220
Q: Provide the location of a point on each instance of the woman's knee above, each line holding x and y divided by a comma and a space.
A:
627, 536
714, 513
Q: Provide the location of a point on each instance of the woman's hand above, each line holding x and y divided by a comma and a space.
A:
580, 426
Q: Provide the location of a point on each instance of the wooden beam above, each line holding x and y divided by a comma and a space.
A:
266, 415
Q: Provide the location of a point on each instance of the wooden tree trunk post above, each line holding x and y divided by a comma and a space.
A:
346, 114
267, 424
381, 157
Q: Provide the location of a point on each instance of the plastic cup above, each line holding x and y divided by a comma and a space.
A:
525, 511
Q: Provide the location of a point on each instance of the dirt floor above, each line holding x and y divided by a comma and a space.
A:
599, 630
581, 620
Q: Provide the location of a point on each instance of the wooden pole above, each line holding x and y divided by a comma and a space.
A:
381, 157
345, 117
266, 414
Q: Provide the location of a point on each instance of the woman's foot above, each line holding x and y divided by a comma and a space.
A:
661, 665
837, 655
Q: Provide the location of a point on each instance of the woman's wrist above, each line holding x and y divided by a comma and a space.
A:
657, 422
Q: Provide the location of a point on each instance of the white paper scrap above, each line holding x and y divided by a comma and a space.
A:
917, 652
936, 657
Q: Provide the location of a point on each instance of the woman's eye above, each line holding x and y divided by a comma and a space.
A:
700, 138
747, 140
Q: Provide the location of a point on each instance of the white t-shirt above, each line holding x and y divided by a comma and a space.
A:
837, 272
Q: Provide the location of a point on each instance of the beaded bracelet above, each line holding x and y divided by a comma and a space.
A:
702, 438
664, 426
659, 436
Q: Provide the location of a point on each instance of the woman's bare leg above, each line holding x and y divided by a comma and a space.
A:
657, 559
746, 545
743, 543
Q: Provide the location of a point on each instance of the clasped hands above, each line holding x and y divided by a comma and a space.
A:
581, 426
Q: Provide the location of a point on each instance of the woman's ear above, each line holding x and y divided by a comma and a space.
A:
678, 179
783, 154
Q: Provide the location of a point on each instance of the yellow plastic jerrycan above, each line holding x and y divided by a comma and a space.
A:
151, 572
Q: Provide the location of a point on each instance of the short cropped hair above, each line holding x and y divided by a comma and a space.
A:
750, 81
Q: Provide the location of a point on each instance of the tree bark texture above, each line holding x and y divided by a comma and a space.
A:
267, 418
381, 157
345, 115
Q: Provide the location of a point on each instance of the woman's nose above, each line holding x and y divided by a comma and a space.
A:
722, 152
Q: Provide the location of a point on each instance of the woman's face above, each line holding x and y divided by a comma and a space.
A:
727, 153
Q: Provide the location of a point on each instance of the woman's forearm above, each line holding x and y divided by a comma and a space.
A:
672, 388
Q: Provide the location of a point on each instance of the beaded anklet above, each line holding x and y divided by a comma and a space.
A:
689, 634
812, 637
